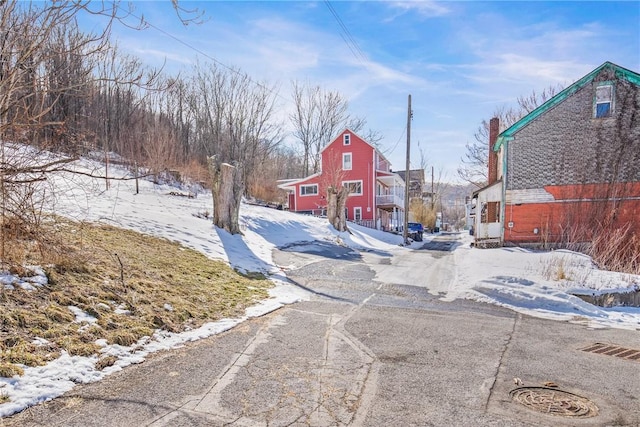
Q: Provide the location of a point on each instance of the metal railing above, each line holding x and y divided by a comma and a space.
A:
390, 199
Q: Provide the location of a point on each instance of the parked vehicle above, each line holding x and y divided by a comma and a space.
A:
415, 230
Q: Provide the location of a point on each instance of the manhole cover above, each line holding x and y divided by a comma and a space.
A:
554, 402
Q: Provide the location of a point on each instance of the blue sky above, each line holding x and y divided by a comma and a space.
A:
460, 60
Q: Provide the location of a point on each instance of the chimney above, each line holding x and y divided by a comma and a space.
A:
494, 129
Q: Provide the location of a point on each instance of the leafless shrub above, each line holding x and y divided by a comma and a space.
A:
555, 269
617, 250
611, 248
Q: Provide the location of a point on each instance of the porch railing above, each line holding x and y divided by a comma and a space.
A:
390, 199
369, 223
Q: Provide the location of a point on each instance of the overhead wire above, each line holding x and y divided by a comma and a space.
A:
206, 55
346, 35
390, 151
357, 52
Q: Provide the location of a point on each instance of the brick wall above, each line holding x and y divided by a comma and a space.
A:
555, 222
597, 207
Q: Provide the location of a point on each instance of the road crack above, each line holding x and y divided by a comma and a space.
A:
503, 353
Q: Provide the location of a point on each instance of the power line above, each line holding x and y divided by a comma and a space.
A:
351, 43
206, 55
349, 40
396, 144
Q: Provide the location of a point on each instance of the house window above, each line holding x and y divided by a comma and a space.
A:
355, 187
357, 214
346, 139
309, 190
346, 161
490, 212
604, 101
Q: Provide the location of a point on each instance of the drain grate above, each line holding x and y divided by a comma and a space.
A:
613, 350
554, 402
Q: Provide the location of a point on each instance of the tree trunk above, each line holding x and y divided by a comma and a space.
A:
336, 202
227, 186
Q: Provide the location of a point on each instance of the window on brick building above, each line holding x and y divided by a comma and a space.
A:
603, 101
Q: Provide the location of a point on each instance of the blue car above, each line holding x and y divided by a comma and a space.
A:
415, 230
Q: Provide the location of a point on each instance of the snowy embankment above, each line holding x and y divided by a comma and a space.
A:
521, 280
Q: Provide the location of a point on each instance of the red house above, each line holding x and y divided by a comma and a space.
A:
376, 198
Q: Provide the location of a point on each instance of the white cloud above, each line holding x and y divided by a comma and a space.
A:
519, 69
426, 8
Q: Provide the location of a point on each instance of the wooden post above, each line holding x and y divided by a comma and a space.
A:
137, 187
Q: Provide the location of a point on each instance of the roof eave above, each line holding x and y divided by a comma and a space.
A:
621, 72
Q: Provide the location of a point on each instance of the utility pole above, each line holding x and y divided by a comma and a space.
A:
433, 196
407, 176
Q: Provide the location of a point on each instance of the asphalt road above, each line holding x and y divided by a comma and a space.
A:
368, 351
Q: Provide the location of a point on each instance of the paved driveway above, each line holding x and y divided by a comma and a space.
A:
366, 351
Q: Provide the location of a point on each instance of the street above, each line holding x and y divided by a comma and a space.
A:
369, 351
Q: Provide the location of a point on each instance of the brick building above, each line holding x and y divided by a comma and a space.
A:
567, 169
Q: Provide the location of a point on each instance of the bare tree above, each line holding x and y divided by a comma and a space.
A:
333, 177
319, 115
357, 124
422, 212
47, 82
35, 41
179, 114
234, 122
474, 163
527, 104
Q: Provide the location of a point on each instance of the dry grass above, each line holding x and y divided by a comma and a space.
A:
131, 283
8, 370
611, 248
617, 250
105, 362
555, 269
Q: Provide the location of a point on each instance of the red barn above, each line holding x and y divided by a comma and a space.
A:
376, 198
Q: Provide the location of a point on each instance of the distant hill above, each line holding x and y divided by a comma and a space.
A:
456, 193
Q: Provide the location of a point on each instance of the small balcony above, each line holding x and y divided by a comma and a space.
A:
388, 201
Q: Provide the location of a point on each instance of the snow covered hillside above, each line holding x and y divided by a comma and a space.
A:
521, 280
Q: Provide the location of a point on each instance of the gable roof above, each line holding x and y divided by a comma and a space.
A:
620, 72
290, 184
359, 137
414, 175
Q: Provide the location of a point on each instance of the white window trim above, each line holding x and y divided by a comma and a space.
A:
346, 139
355, 216
612, 101
352, 182
309, 185
350, 161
